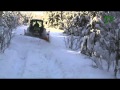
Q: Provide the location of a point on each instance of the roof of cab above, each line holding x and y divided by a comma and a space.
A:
36, 20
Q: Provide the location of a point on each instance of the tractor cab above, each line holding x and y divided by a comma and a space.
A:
36, 26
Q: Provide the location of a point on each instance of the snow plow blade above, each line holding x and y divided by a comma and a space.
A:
47, 37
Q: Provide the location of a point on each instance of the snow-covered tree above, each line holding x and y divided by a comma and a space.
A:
9, 20
98, 34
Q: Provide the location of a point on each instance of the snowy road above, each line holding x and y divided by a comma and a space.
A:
29, 57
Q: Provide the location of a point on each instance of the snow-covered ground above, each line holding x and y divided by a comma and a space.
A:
29, 57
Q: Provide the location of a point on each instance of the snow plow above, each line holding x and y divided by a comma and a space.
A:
36, 29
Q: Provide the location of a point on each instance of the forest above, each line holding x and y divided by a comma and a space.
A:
95, 34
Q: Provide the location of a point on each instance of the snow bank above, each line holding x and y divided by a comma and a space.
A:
29, 57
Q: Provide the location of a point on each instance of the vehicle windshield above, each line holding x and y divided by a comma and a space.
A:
37, 22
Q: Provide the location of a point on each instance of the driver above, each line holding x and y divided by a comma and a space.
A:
36, 24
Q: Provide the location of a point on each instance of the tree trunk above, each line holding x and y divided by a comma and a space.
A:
1, 12
61, 15
117, 53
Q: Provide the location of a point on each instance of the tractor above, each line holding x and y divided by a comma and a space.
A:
36, 29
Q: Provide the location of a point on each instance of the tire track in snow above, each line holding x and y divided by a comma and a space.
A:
24, 58
22, 51
54, 69
36, 67
20, 63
